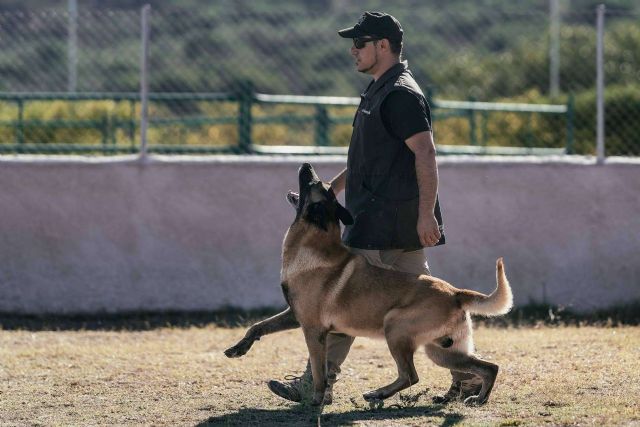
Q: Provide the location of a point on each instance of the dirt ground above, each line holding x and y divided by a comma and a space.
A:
179, 376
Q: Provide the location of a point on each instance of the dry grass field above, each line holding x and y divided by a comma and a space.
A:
179, 376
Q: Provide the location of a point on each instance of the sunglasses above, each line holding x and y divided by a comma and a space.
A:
360, 43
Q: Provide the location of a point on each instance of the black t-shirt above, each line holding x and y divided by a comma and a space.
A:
405, 115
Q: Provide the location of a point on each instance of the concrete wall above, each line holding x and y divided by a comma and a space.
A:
87, 236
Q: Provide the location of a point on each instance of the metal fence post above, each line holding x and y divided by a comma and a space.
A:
144, 82
554, 48
484, 128
600, 152
472, 125
322, 126
244, 116
528, 139
132, 124
72, 46
104, 131
20, 127
570, 118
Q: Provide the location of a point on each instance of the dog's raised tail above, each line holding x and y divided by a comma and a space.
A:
499, 302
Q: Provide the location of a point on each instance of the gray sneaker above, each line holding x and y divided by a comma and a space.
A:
297, 389
293, 388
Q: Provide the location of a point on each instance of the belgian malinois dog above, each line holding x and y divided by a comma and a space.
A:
329, 289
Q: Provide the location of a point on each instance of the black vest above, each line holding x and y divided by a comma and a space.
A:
382, 189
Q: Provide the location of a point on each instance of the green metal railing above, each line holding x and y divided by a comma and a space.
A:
246, 98
105, 126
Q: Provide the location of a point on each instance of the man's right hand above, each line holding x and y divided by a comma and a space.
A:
428, 230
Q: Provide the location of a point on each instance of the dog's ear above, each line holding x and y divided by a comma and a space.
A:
293, 198
343, 214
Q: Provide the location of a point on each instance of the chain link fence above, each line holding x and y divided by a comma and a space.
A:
499, 75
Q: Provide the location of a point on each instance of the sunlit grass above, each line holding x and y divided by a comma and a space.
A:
175, 376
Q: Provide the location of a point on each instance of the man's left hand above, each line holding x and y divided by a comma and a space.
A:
428, 230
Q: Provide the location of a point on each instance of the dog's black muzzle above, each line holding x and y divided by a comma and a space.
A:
307, 176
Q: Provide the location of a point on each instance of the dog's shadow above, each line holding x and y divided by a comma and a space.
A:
304, 415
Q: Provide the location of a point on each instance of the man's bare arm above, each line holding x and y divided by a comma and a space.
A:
424, 150
339, 182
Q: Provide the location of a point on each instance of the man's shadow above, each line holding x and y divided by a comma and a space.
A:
305, 415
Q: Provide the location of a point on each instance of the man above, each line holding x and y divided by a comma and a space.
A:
390, 182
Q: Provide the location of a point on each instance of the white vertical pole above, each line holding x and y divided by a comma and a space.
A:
600, 85
554, 48
72, 47
144, 82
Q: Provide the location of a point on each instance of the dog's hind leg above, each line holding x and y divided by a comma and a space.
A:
462, 362
402, 349
280, 322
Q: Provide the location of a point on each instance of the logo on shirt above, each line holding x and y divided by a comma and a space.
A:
367, 112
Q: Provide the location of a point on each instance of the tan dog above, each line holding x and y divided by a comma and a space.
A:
331, 290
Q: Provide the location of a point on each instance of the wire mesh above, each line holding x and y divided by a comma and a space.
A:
494, 51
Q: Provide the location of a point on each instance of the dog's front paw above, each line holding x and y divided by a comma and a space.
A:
232, 352
239, 349
475, 401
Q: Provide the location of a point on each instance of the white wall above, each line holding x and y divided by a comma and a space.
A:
110, 235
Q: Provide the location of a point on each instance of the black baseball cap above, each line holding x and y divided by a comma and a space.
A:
375, 24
